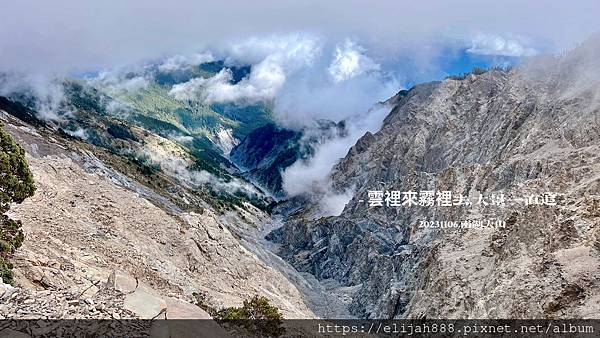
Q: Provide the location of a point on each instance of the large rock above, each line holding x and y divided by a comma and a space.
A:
179, 309
122, 281
145, 304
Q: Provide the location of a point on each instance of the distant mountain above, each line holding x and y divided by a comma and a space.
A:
267, 151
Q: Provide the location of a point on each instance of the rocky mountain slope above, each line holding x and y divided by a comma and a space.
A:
528, 131
93, 217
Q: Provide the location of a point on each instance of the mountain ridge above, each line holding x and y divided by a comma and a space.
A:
500, 131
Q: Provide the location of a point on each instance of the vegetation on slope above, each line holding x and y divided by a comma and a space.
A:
124, 124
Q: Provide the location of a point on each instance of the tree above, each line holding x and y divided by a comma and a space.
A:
16, 184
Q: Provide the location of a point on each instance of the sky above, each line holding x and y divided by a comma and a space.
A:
68, 35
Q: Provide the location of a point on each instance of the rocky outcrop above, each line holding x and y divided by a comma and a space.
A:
224, 140
19, 303
527, 131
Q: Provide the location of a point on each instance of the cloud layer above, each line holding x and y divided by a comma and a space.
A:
350, 61
311, 176
303, 76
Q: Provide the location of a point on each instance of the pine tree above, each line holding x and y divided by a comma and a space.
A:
16, 184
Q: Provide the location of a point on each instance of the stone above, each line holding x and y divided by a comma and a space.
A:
144, 304
122, 281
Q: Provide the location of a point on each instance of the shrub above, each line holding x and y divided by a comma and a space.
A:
478, 71
256, 316
260, 308
475, 71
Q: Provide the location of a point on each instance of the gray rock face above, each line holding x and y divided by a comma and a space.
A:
531, 130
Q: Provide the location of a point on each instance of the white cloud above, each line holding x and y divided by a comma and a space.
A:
309, 96
118, 108
183, 138
291, 51
273, 59
333, 204
489, 44
178, 167
198, 88
119, 32
49, 102
118, 80
79, 133
180, 61
133, 84
46, 91
301, 75
262, 85
312, 175
350, 61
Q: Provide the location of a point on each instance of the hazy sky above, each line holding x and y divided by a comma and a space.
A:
62, 35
